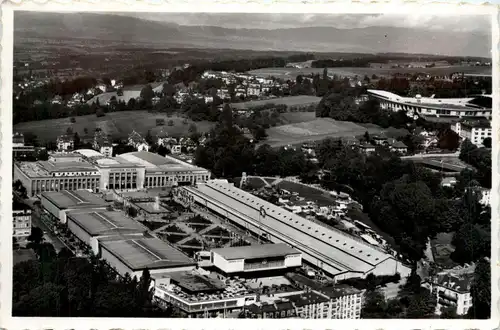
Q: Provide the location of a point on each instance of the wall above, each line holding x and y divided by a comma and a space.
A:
228, 266
25, 180
50, 207
79, 232
115, 263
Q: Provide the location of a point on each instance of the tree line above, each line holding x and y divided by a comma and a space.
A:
62, 285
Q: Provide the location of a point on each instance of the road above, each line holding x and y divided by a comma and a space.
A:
48, 236
420, 156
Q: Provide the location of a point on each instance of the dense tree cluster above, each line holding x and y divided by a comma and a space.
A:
480, 158
343, 106
412, 302
59, 284
403, 198
228, 153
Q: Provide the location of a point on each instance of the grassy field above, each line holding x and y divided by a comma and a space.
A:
292, 73
117, 124
296, 117
315, 130
300, 100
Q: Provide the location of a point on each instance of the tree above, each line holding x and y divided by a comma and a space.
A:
15, 244
448, 139
481, 291
487, 142
374, 306
471, 243
149, 138
193, 129
43, 154
227, 116
36, 236
76, 139
147, 94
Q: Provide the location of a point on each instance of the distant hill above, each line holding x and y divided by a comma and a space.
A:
317, 39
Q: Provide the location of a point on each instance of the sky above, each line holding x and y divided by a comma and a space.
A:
274, 21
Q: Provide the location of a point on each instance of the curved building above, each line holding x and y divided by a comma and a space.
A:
450, 109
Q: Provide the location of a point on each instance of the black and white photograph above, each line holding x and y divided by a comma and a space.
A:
216, 165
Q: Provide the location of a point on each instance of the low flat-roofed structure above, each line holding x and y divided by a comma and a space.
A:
57, 203
256, 251
256, 258
92, 226
200, 294
135, 255
194, 283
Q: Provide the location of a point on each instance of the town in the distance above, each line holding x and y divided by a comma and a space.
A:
250, 185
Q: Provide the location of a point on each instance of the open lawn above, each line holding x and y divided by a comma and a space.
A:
296, 117
117, 124
315, 130
290, 101
292, 73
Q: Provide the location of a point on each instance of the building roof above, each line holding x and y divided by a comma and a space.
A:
194, 283
447, 103
458, 283
338, 249
156, 163
89, 153
256, 251
338, 291
99, 222
399, 145
307, 298
66, 166
150, 253
65, 199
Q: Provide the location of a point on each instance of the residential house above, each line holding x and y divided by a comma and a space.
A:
162, 139
448, 182
367, 148
379, 140
18, 140
451, 290
65, 142
188, 143
275, 310
21, 222
483, 194
155, 100
57, 100
175, 149
137, 141
254, 90
399, 147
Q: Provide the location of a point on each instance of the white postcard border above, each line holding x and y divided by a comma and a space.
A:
290, 6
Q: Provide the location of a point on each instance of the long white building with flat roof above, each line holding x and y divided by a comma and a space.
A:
93, 171
333, 251
452, 108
